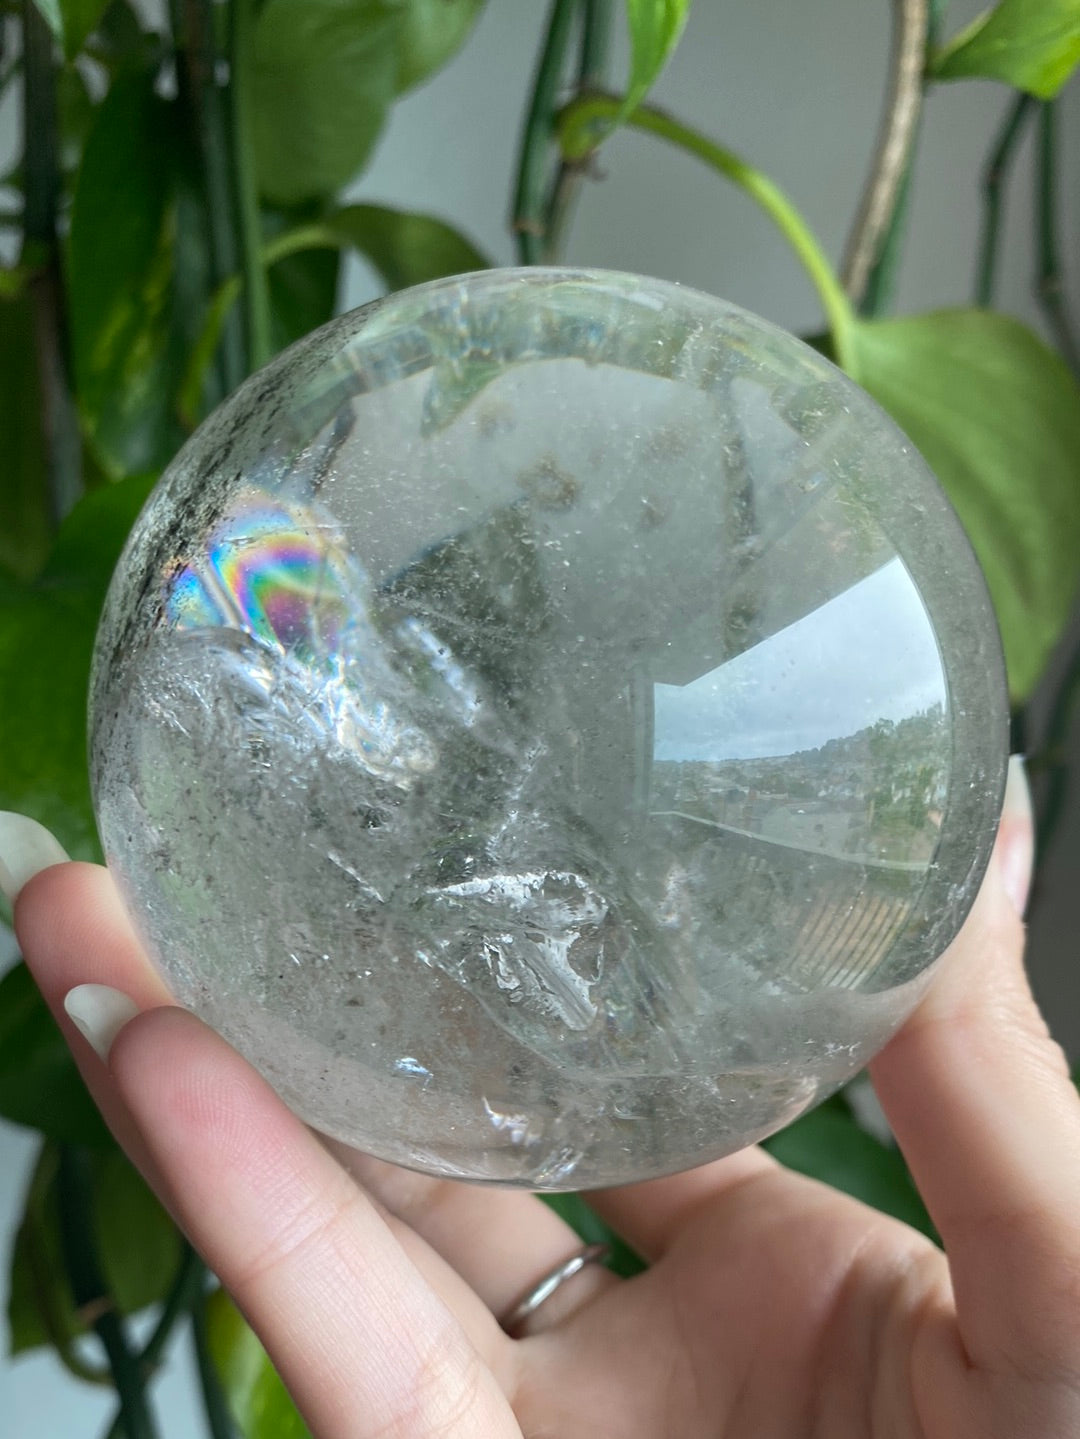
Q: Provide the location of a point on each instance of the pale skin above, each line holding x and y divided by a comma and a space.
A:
774, 1308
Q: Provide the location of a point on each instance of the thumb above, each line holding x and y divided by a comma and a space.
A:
980, 1101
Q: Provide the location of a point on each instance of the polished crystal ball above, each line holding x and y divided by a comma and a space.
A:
550, 722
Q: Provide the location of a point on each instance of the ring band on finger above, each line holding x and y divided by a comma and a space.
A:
514, 1322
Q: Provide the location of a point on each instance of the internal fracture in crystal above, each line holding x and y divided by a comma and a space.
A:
551, 723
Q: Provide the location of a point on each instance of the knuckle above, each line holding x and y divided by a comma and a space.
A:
442, 1398
300, 1237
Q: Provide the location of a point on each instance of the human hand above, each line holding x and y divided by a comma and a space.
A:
773, 1306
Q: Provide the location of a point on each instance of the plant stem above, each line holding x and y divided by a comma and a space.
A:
91, 1292
41, 255
595, 40
881, 282
1049, 285
185, 1294
880, 290
1000, 159
936, 23
256, 292
581, 117
528, 220
41, 1270
898, 127
192, 26
187, 1289
219, 1421
39, 116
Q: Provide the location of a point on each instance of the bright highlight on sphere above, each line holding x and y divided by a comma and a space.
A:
550, 722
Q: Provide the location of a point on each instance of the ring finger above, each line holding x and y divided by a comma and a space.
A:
502, 1242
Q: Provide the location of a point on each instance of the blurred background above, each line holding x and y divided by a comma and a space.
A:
797, 89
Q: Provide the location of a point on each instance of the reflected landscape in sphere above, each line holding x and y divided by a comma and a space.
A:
550, 722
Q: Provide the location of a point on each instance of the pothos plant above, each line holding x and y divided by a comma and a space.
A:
173, 221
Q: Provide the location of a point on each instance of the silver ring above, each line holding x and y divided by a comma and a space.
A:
543, 1290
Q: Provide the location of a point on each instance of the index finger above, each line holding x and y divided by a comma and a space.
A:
980, 1100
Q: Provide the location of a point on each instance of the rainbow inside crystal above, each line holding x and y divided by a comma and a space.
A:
278, 572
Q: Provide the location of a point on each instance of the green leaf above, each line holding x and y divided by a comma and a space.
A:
324, 73
303, 286
13, 280
45, 644
257, 1399
76, 115
1032, 44
120, 42
431, 32
193, 283
139, 1249
303, 294
40, 1085
71, 21
996, 415
194, 386
46, 640
91, 538
406, 248
655, 27
24, 503
51, 14
81, 18
574, 1210
128, 352
828, 1144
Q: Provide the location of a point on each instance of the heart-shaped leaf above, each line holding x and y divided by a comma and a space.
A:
324, 73
996, 414
431, 32
406, 248
1032, 44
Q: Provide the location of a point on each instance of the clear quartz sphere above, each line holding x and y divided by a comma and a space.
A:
550, 722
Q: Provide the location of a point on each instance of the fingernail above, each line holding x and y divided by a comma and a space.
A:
26, 848
1017, 835
99, 1013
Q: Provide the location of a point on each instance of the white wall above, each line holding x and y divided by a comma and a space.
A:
796, 89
